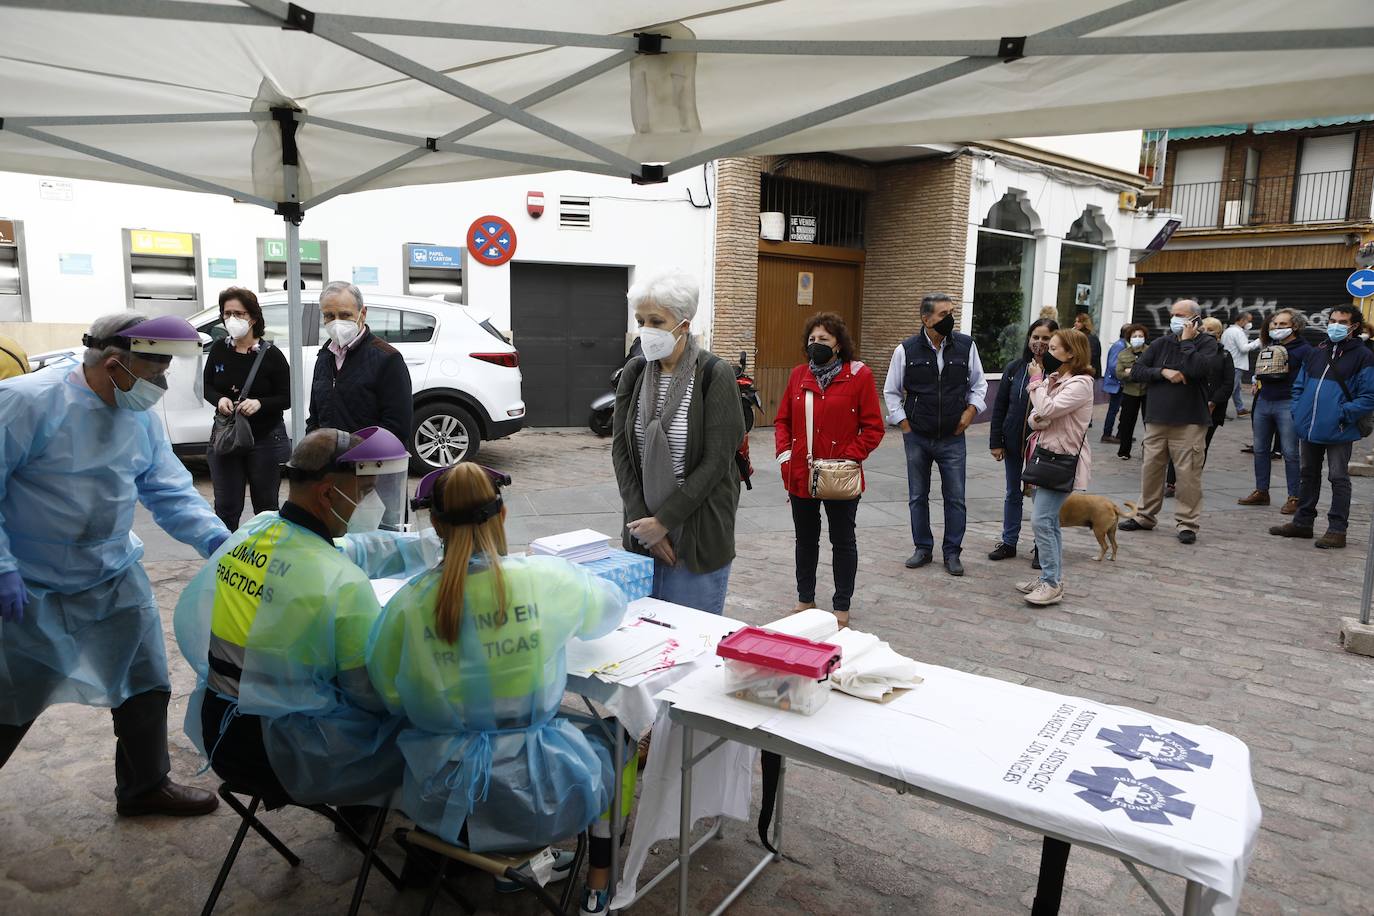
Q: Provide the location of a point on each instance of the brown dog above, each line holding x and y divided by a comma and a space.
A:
1085, 510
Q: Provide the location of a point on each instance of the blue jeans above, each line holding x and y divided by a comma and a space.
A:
1049, 539
1270, 419
1235, 392
1113, 407
951, 454
703, 591
1014, 501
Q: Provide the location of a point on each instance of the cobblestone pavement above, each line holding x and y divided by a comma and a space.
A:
1238, 632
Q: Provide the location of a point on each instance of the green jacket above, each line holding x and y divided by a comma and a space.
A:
705, 503
1124, 362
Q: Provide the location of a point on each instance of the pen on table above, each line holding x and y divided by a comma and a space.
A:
658, 623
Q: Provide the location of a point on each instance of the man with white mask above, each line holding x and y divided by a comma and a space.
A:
360, 380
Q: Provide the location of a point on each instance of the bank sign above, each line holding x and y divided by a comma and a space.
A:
436, 256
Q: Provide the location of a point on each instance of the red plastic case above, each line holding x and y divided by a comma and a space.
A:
788, 672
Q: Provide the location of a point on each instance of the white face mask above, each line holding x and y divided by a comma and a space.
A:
342, 332
1137, 341
238, 328
367, 514
658, 343
1279, 333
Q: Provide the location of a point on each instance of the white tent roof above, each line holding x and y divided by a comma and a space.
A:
177, 93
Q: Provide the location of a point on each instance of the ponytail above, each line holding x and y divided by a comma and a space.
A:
466, 486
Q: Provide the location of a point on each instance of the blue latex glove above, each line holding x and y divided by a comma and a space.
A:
13, 597
214, 545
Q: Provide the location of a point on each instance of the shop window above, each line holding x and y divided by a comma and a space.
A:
1082, 269
1004, 267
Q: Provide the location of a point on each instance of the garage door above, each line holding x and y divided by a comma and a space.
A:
1225, 295
569, 323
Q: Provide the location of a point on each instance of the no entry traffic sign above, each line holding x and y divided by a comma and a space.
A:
491, 240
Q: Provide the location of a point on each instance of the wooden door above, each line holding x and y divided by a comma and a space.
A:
835, 286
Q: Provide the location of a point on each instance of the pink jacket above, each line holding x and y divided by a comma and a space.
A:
1061, 409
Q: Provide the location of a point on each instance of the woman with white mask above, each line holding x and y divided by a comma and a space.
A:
1132, 393
228, 365
1282, 351
678, 423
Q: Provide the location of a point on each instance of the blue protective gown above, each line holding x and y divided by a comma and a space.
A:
288, 617
485, 746
71, 468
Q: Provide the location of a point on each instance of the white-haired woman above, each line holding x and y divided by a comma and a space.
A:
677, 425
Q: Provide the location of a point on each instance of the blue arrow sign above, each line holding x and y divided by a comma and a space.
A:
1360, 284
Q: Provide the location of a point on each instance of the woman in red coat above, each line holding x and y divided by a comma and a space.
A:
848, 424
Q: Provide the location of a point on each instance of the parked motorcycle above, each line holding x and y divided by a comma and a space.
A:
603, 408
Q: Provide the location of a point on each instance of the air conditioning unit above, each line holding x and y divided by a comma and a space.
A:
1127, 200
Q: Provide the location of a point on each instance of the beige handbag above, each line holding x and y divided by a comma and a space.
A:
830, 478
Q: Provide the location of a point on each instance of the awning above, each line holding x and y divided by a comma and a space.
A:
1264, 127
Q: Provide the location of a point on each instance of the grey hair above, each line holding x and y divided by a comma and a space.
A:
928, 302
318, 447
108, 326
339, 286
675, 291
1192, 306
1298, 318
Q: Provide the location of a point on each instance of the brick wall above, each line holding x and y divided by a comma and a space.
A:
835, 171
917, 234
736, 256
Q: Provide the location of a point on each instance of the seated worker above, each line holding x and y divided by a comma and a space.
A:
472, 652
276, 627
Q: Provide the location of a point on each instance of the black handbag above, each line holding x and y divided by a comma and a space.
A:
1052, 470
232, 434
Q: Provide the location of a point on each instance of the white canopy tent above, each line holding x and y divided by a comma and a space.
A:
287, 106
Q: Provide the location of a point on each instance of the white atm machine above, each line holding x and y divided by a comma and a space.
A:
14, 274
162, 272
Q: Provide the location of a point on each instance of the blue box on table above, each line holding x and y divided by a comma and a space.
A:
632, 572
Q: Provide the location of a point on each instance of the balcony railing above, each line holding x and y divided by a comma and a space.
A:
1316, 197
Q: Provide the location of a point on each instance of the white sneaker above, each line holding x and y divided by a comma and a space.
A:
1028, 586
1045, 594
594, 903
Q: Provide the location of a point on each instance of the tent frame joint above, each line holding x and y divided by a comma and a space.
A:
650, 174
432, 144
1012, 48
300, 19
291, 210
649, 42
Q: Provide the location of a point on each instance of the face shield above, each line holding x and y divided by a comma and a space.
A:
140, 376
429, 496
360, 476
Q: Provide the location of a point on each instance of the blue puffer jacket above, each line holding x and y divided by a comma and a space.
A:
1322, 411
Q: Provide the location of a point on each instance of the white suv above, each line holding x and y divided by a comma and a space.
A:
464, 375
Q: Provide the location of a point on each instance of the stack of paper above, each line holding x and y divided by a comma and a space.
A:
580, 546
630, 650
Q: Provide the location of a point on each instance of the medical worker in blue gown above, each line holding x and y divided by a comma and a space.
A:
78, 623
472, 652
276, 626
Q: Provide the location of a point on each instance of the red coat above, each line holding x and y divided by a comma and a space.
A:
849, 422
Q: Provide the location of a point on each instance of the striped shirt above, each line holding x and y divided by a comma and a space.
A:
677, 430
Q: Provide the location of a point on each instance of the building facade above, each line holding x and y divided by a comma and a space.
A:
1271, 216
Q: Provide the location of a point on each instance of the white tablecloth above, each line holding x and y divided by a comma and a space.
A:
1170, 794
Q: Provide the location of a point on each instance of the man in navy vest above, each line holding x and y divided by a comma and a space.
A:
935, 387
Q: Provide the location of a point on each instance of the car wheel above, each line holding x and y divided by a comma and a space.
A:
600, 422
444, 434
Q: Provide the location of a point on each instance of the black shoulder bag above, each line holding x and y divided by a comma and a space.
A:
1053, 470
232, 435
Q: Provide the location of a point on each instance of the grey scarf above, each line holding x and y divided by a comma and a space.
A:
656, 458
824, 375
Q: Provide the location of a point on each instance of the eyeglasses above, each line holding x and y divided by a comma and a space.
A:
229, 314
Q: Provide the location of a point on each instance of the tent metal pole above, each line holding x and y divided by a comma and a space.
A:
138, 165
150, 9
1368, 591
99, 120
543, 162
296, 318
324, 28
534, 98
943, 74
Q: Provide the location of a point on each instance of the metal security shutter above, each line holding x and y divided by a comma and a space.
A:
569, 323
1223, 295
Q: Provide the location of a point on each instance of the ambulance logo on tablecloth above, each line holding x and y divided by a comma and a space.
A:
1169, 751
1146, 801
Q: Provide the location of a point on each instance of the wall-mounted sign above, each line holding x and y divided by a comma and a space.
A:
55, 190
491, 240
6, 232
174, 244
365, 276
275, 250
801, 229
78, 265
1083, 294
534, 203
806, 287
224, 268
1165, 233
436, 256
